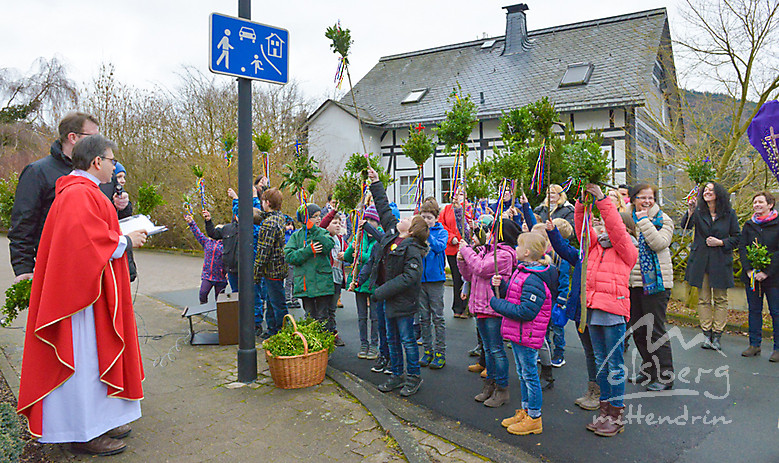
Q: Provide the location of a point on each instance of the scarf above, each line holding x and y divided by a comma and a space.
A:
766, 218
651, 274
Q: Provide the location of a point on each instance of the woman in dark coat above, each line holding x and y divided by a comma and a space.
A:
710, 263
762, 227
561, 208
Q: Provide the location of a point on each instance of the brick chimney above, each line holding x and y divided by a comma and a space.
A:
516, 29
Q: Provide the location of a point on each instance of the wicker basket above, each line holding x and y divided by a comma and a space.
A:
297, 371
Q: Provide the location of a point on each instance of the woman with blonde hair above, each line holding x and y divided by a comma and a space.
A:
559, 206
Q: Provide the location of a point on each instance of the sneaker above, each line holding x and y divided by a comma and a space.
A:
751, 351
339, 342
363, 353
558, 361
380, 365
774, 357
438, 361
258, 331
388, 369
475, 352
412, 385
340, 304
426, 359
419, 341
394, 382
372, 354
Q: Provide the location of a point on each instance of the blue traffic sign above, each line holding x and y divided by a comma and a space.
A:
242, 48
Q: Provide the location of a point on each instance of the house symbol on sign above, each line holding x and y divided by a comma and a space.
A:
274, 45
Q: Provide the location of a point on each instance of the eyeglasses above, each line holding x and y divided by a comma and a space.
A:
645, 198
113, 160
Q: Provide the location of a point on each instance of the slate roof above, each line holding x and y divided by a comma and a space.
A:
623, 50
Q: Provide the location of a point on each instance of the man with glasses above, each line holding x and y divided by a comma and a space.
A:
35, 192
81, 366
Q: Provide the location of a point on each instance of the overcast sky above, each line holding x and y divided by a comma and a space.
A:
149, 41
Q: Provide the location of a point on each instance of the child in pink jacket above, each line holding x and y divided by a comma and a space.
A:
479, 268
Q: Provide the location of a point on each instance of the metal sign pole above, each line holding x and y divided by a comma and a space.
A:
247, 352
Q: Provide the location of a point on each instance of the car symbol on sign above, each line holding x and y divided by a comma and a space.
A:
248, 33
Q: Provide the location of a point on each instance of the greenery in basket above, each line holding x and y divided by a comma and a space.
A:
148, 198
456, 128
358, 164
586, 162
263, 141
286, 344
418, 146
17, 298
700, 171
11, 443
758, 256
347, 191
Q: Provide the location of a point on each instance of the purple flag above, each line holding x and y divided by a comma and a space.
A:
763, 134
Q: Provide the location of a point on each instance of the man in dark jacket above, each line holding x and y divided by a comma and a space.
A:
35, 192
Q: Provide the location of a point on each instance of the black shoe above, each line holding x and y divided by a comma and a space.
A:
715, 337
380, 365
707, 343
639, 378
338, 341
412, 385
475, 352
546, 375
258, 331
394, 382
656, 386
265, 335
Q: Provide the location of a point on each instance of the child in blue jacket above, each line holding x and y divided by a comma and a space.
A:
431, 297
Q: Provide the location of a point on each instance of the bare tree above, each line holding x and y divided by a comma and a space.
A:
38, 95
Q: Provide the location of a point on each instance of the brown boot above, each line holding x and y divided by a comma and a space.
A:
519, 416
475, 368
527, 426
614, 424
102, 446
486, 391
120, 432
498, 398
602, 416
591, 398
484, 373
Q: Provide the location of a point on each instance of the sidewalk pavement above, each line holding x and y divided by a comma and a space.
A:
195, 411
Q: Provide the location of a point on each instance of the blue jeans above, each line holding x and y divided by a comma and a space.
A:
400, 336
755, 303
529, 383
608, 345
277, 304
557, 334
497, 363
382, 322
589, 355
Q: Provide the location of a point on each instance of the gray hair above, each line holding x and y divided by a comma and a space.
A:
89, 148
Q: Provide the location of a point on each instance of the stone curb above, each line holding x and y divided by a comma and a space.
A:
408, 445
471, 439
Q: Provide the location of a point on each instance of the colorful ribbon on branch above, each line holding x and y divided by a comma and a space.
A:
584, 251
228, 157
201, 189
497, 224
339, 73
692, 194
188, 208
418, 186
458, 179
539, 173
266, 165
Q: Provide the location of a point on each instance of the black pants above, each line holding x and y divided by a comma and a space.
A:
318, 308
458, 305
656, 357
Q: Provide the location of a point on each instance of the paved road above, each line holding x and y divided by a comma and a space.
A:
727, 389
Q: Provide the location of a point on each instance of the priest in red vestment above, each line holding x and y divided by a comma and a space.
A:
81, 369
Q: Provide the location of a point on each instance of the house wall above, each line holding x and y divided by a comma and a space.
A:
334, 136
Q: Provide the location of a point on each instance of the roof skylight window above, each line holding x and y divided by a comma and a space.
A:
488, 43
414, 96
577, 74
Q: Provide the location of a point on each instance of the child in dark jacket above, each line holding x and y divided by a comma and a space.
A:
213, 275
397, 279
526, 310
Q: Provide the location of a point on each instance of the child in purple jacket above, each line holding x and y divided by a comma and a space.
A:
213, 275
479, 268
526, 308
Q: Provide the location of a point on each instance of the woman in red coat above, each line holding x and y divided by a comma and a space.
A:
453, 220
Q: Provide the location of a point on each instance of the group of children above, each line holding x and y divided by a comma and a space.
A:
519, 286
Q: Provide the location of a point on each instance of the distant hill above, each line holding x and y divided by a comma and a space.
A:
713, 108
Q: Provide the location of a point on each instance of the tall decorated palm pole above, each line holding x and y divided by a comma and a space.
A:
341, 42
301, 178
418, 147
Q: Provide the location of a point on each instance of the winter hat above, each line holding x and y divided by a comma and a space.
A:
371, 213
511, 232
119, 169
312, 209
486, 219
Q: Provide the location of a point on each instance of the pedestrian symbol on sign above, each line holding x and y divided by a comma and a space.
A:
225, 46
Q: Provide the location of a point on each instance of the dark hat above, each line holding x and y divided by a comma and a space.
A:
371, 213
510, 233
312, 209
